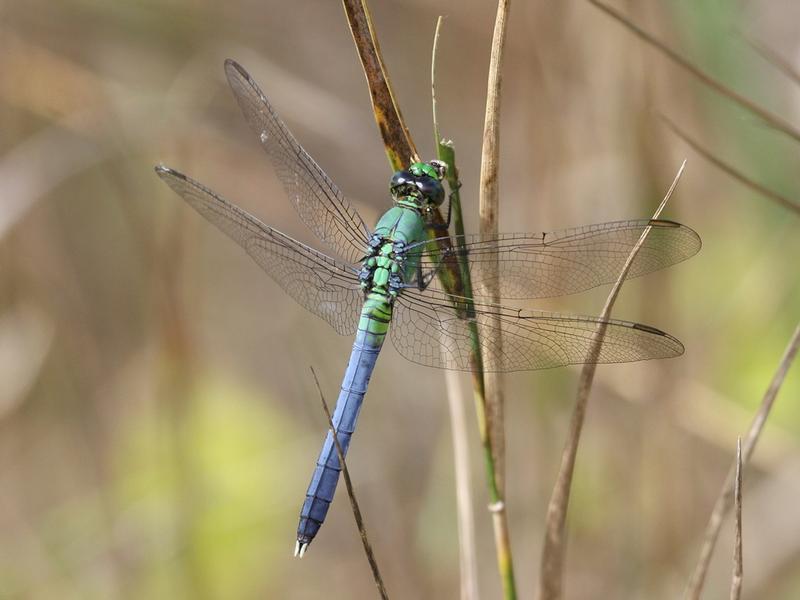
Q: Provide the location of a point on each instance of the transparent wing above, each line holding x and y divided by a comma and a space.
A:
320, 204
559, 263
324, 286
425, 329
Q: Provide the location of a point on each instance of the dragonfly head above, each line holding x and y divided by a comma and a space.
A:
421, 184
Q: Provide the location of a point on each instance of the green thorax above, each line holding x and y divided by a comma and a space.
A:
405, 224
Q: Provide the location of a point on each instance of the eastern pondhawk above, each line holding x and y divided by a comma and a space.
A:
386, 275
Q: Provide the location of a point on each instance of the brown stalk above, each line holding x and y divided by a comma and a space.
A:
725, 499
489, 212
716, 85
736, 578
376, 574
732, 171
399, 146
554, 548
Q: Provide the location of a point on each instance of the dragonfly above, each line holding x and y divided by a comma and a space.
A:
384, 280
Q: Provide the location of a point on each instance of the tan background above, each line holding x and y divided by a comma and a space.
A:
158, 420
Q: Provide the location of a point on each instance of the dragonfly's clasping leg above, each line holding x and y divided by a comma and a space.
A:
452, 193
424, 280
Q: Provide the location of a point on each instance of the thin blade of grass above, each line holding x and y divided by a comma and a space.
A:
725, 499
434, 52
736, 578
732, 171
373, 563
716, 85
554, 547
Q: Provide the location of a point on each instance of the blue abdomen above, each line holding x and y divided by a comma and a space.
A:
373, 325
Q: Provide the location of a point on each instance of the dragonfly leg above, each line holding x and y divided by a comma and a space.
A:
420, 277
369, 261
440, 226
450, 202
430, 208
446, 225
425, 279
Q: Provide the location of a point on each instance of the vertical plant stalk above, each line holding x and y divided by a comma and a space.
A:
373, 563
465, 512
554, 547
725, 499
736, 578
465, 307
706, 79
489, 210
468, 560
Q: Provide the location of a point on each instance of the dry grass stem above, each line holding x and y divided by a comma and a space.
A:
468, 560
775, 59
399, 146
489, 208
554, 547
725, 500
716, 85
376, 574
736, 579
733, 172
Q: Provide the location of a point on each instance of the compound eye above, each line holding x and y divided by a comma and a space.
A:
431, 189
399, 178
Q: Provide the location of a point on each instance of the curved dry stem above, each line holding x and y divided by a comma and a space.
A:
716, 85
725, 500
554, 547
733, 172
775, 59
373, 563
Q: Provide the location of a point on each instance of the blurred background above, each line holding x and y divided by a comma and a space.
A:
158, 419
